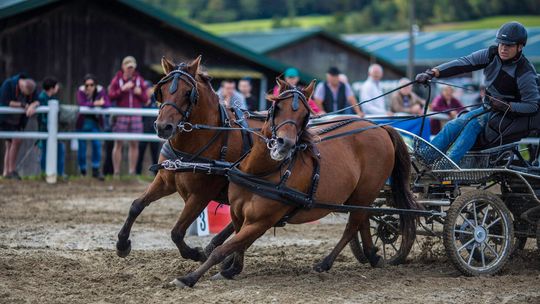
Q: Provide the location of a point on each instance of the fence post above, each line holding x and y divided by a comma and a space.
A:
52, 142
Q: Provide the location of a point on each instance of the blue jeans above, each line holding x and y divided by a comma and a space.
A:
89, 125
459, 135
60, 160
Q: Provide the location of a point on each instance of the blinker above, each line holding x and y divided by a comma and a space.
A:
174, 84
295, 102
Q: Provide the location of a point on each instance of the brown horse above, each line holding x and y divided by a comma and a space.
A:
353, 169
188, 97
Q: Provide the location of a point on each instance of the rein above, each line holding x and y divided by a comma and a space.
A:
366, 101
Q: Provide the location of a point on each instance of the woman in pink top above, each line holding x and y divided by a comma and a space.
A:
127, 89
443, 102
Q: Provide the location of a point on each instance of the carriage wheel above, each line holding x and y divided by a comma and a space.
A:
478, 233
519, 243
386, 233
538, 235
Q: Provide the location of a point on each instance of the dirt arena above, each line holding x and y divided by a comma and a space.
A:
57, 246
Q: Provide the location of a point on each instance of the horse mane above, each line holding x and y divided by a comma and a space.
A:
205, 77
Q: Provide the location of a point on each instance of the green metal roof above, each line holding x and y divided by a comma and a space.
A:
10, 8
265, 42
14, 7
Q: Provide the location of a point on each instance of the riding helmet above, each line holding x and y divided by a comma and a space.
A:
512, 33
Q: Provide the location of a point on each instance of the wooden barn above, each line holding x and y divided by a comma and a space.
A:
70, 38
313, 51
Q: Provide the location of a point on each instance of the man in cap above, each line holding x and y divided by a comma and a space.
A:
127, 89
332, 94
511, 91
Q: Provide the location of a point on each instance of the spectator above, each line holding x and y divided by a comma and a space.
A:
229, 96
371, 89
481, 95
405, 101
292, 77
245, 87
443, 102
148, 127
332, 94
16, 92
50, 91
91, 94
128, 90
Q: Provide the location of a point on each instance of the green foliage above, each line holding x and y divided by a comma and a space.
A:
346, 15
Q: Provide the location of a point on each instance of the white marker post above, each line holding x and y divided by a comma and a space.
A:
52, 142
201, 226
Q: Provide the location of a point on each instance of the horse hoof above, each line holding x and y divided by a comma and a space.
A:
123, 251
219, 277
177, 283
321, 267
380, 264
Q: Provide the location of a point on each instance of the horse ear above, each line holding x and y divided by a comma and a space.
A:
167, 65
281, 84
193, 67
309, 89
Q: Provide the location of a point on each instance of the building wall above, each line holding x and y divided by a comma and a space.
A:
72, 38
315, 54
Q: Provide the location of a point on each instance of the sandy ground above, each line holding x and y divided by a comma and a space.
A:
57, 246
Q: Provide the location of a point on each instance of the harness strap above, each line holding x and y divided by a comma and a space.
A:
224, 116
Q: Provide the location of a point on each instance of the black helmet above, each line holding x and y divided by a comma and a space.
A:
512, 33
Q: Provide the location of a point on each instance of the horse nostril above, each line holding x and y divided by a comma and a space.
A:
168, 127
280, 141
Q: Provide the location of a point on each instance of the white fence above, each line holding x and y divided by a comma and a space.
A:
52, 135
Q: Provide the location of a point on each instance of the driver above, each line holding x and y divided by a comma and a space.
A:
511, 89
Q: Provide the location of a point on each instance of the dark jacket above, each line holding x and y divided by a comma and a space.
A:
10, 92
513, 81
329, 101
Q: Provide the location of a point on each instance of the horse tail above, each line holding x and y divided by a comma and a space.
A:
402, 196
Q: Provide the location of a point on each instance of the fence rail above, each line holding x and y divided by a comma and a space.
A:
52, 135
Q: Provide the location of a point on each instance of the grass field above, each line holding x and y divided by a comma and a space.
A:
321, 21
485, 23
264, 24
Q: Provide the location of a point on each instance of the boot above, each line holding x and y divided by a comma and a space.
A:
96, 173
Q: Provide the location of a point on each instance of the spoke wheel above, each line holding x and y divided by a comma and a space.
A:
520, 243
386, 233
478, 233
538, 235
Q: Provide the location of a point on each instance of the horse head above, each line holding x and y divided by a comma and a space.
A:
176, 94
288, 118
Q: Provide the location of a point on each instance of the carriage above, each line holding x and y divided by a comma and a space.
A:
486, 207
483, 207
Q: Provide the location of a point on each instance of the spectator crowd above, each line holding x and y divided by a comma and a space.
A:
130, 90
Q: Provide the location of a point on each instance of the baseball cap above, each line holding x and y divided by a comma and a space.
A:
333, 71
129, 61
291, 72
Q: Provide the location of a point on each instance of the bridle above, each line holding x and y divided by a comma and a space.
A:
176, 75
296, 94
